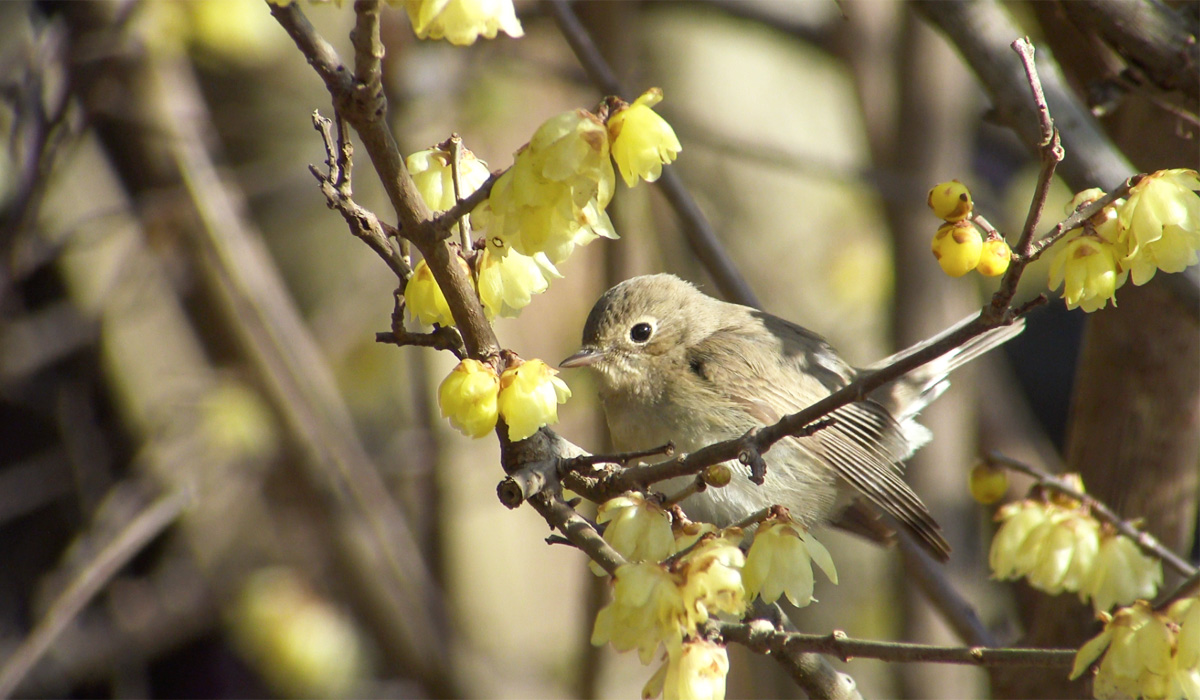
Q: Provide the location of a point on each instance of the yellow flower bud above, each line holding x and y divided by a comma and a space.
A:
988, 484
994, 257
642, 141
468, 396
957, 247
424, 298
950, 201
461, 22
780, 563
529, 398
718, 475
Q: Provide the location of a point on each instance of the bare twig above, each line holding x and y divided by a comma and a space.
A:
336, 186
143, 528
762, 637
1144, 540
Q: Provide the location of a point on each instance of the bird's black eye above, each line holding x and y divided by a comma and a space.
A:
640, 332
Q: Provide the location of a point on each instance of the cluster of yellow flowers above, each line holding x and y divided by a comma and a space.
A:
656, 602
1150, 654
1156, 228
526, 396
1060, 547
958, 245
551, 200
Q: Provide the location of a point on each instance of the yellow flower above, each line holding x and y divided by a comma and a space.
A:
712, 579
1090, 270
424, 297
302, 644
1145, 654
950, 201
957, 247
434, 178
529, 398
467, 397
508, 280
1121, 574
461, 22
994, 257
1160, 224
1054, 547
694, 670
637, 528
642, 141
553, 197
988, 484
780, 562
647, 608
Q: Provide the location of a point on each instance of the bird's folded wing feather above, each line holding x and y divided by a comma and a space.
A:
863, 445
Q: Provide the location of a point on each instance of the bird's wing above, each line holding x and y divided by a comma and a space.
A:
864, 443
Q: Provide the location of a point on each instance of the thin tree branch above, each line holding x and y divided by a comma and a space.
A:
763, 638
143, 528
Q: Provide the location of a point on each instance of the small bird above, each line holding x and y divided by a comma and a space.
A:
676, 365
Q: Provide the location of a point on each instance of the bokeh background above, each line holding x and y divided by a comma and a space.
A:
197, 425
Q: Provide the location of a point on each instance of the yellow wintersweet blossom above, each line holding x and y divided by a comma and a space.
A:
780, 563
642, 141
468, 397
461, 22
713, 579
1053, 546
957, 247
950, 201
529, 397
694, 670
1159, 224
554, 196
302, 644
508, 280
434, 177
1121, 573
647, 608
637, 528
1089, 266
424, 298
1146, 653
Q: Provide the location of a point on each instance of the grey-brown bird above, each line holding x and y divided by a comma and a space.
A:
675, 365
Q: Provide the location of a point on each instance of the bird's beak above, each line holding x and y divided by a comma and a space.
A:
584, 358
